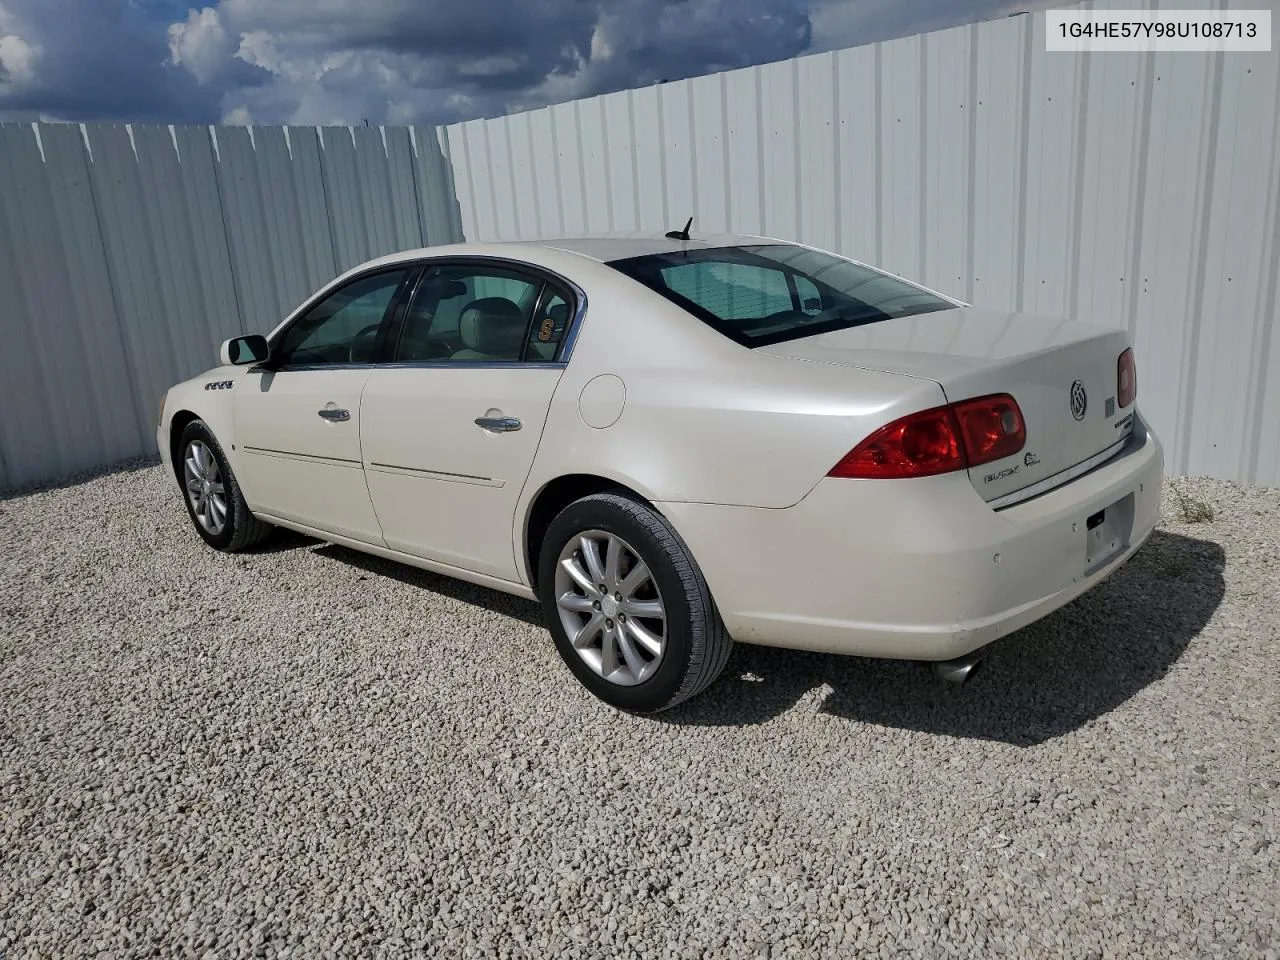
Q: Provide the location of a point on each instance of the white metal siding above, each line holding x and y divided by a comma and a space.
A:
1141, 190
128, 253
1136, 189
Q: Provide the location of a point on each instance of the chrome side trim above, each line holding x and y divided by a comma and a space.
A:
436, 475
309, 458
1059, 478
300, 367
473, 365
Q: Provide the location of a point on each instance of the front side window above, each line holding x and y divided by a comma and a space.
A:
343, 327
465, 313
768, 293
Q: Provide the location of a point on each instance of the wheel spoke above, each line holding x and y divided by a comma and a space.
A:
194, 486
219, 508
588, 631
216, 488
612, 561
193, 467
635, 662
644, 638
649, 609
576, 602
638, 575
197, 454
609, 661
590, 548
579, 576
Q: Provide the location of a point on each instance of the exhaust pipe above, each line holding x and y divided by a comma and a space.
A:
960, 669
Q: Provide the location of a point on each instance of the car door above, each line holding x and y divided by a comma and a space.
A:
450, 426
298, 416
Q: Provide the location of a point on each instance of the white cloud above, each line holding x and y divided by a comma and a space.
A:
17, 60
18, 55
238, 117
201, 43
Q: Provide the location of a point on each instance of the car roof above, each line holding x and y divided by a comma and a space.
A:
624, 245
601, 248
604, 247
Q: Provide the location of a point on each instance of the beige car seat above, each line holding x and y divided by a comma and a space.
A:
492, 328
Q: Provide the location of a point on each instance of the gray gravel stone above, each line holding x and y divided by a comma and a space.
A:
304, 751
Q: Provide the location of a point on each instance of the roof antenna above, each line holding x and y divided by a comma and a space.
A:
681, 234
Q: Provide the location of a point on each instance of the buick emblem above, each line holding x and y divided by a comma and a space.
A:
1079, 400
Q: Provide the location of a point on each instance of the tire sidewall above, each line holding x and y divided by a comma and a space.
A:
197, 430
658, 691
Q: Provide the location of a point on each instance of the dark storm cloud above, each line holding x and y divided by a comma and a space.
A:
448, 60
323, 61
104, 60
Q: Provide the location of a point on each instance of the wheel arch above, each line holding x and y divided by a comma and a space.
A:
554, 496
178, 423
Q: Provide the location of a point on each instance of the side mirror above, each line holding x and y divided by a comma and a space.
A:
241, 350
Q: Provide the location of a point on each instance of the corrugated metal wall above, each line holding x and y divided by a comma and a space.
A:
1134, 189
128, 253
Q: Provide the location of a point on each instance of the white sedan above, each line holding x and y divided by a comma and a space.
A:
675, 443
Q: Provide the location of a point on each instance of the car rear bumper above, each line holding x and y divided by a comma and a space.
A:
916, 569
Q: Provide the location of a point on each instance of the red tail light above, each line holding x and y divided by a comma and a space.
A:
991, 428
919, 445
1126, 379
939, 440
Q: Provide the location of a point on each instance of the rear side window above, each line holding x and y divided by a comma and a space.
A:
769, 293
482, 313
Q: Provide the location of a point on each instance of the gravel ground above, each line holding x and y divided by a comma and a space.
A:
305, 752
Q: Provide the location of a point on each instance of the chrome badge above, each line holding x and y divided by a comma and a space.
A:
1079, 400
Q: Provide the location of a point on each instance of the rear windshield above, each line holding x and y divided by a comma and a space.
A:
769, 293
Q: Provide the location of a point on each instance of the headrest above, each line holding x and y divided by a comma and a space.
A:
492, 325
558, 313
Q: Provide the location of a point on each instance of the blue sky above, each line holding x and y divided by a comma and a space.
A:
405, 61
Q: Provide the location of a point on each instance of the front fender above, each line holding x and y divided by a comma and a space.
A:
209, 396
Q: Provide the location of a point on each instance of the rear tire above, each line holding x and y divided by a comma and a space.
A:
652, 637
212, 494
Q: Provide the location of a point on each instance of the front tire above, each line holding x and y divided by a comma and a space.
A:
627, 606
212, 494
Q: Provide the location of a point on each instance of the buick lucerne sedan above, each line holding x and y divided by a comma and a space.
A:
673, 443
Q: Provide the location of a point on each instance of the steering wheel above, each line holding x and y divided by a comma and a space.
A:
355, 342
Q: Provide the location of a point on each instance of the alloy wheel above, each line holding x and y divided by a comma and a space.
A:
611, 607
205, 487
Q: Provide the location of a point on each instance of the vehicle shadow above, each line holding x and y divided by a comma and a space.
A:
1044, 681
515, 607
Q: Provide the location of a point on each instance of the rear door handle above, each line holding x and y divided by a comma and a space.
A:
498, 424
335, 416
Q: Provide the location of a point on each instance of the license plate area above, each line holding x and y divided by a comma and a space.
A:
1107, 533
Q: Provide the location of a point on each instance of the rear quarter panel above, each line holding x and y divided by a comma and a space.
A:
704, 419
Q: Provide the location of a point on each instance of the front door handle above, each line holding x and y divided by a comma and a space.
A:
335, 416
498, 424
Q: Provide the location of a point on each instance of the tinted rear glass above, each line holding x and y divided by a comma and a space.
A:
769, 293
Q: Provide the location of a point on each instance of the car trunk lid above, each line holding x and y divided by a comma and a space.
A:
1062, 373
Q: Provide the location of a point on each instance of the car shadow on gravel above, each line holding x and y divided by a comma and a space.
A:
504, 603
1039, 683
